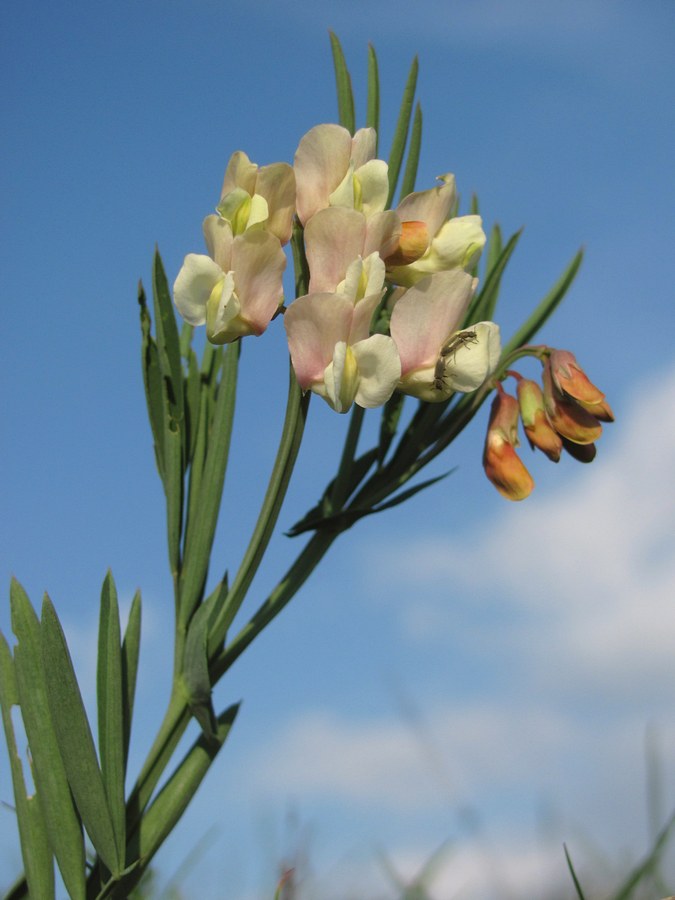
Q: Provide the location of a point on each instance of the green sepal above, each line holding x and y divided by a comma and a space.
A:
110, 702
131, 646
75, 742
401, 132
373, 101
413, 159
343, 84
35, 849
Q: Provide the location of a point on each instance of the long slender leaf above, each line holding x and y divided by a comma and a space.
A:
195, 673
35, 850
49, 774
373, 107
412, 162
648, 865
198, 548
401, 132
110, 701
152, 381
75, 742
168, 340
131, 646
545, 309
192, 402
577, 886
343, 83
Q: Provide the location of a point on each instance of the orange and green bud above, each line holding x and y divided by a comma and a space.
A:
538, 429
502, 464
569, 418
412, 244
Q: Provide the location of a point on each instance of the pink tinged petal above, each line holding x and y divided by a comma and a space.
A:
340, 379
344, 194
474, 360
194, 285
363, 278
218, 237
258, 263
431, 207
373, 186
363, 146
240, 173
333, 240
314, 324
383, 233
426, 314
276, 183
320, 163
379, 368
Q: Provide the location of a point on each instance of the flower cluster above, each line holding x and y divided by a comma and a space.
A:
565, 415
415, 260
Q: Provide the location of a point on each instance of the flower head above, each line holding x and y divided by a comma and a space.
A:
538, 430
332, 168
430, 241
237, 289
333, 355
254, 196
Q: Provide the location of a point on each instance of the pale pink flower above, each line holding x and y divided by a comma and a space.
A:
254, 196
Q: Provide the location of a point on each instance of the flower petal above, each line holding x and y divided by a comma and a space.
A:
240, 173
333, 240
276, 183
364, 145
218, 236
320, 163
258, 263
314, 325
475, 360
193, 286
427, 314
379, 370
431, 207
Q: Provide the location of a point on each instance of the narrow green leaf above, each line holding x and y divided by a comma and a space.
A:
494, 249
152, 381
343, 83
176, 794
173, 489
373, 104
545, 308
412, 162
401, 132
195, 674
197, 550
192, 403
110, 701
35, 850
649, 864
483, 305
577, 886
391, 415
49, 775
131, 646
474, 209
197, 464
410, 492
75, 742
168, 341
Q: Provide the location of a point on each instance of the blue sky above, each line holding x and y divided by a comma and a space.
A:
460, 668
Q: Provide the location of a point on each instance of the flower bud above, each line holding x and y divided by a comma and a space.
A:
570, 379
569, 418
411, 246
537, 427
502, 464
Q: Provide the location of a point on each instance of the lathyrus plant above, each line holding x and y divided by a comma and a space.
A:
394, 305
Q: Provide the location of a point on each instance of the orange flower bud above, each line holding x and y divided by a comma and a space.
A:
569, 418
584, 453
570, 379
502, 464
537, 427
412, 244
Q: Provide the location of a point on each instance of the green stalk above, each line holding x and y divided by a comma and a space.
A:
341, 485
291, 437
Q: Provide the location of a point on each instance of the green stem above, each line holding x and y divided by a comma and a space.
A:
291, 437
